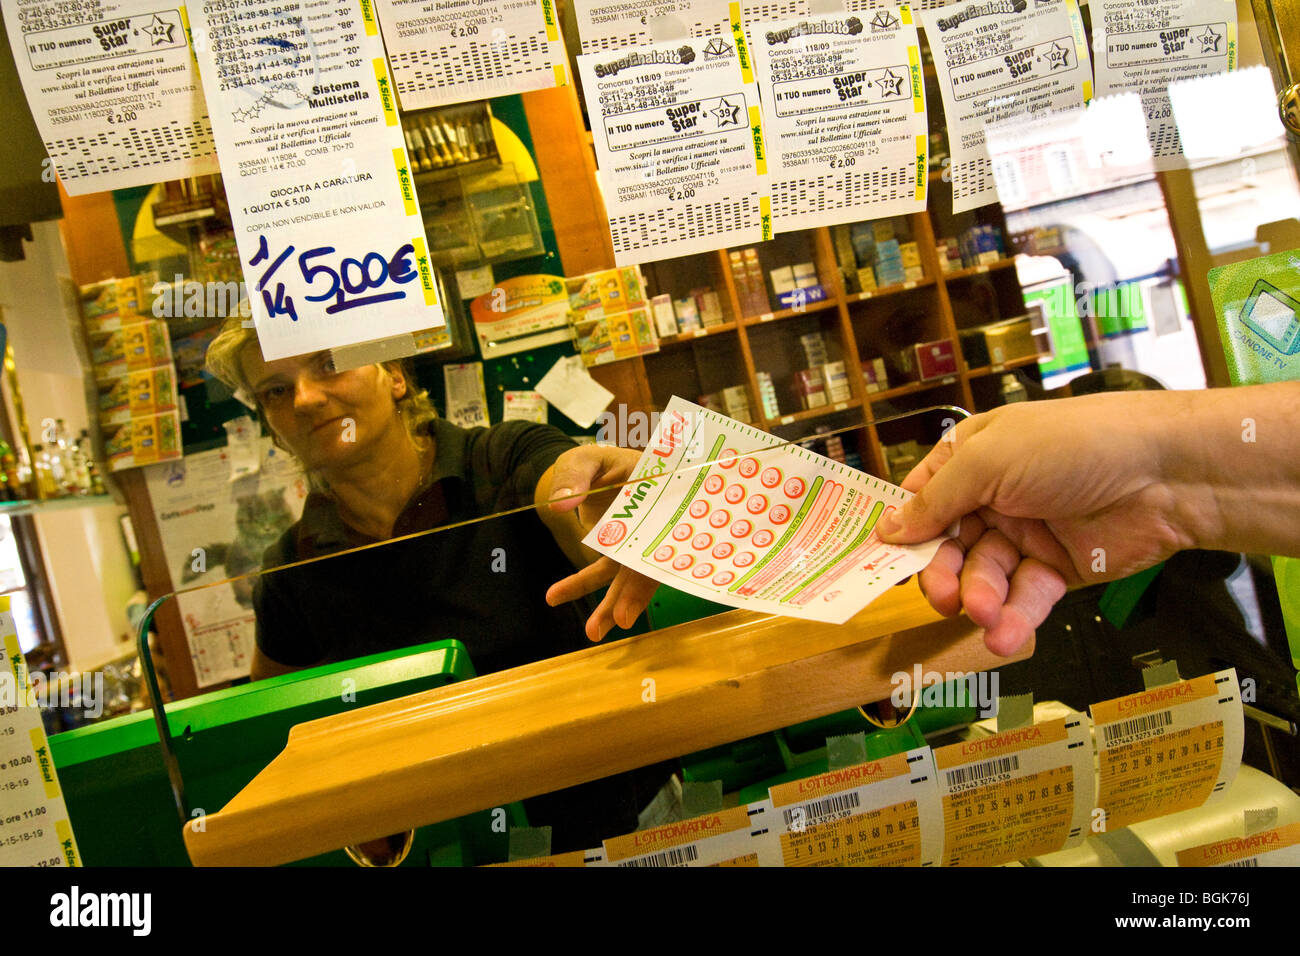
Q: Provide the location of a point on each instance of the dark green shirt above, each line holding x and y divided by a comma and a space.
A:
483, 584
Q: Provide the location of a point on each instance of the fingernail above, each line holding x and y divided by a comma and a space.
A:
559, 496
891, 523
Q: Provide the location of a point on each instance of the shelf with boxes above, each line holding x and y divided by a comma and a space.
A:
828, 328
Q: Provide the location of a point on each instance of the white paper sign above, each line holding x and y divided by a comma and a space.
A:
525, 406
999, 60
316, 172
679, 145
615, 24
114, 91
570, 388
34, 826
844, 105
458, 50
724, 516
466, 397
212, 530
1144, 48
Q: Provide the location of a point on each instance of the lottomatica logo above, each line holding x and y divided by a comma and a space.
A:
76, 909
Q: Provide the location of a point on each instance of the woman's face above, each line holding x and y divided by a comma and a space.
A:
328, 419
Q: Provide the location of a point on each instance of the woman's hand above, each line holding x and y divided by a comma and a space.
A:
567, 482
1051, 495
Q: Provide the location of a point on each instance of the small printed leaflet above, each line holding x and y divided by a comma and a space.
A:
1000, 61
679, 146
844, 110
114, 91
451, 52
1144, 48
34, 827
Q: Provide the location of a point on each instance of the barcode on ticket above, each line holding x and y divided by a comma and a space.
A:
1250, 862
822, 808
982, 771
678, 856
1137, 725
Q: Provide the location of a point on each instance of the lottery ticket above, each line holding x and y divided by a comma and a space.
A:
739, 836
450, 52
882, 813
34, 826
721, 514
679, 145
1167, 749
844, 105
1144, 48
1015, 795
114, 91
1279, 846
319, 184
1000, 60
615, 24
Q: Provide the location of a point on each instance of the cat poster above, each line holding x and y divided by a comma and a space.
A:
215, 530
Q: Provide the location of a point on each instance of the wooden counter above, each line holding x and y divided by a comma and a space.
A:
442, 754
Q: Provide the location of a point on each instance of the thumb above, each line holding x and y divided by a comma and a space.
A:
947, 488
571, 477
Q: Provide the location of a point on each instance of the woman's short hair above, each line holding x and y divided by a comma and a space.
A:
225, 362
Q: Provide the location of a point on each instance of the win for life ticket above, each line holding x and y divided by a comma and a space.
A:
114, 91
1143, 49
844, 105
679, 145
319, 184
1002, 60
722, 515
458, 50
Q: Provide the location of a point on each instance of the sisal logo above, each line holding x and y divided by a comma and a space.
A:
77, 909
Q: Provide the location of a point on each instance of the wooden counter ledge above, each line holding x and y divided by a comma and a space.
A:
444, 753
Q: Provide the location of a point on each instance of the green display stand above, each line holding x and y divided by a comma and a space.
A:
1257, 303
120, 801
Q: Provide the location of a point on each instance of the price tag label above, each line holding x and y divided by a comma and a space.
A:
766, 317
700, 333
787, 419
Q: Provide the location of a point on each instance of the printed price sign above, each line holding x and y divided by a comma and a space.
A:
679, 143
460, 50
883, 813
845, 117
739, 836
1144, 48
1277, 847
998, 61
113, 90
1019, 794
1167, 749
784, 531
34, 827
316, 172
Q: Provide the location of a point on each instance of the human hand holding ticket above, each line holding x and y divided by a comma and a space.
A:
723, 514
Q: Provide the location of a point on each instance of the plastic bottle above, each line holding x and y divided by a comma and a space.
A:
1012, 390
68, 456
86, 465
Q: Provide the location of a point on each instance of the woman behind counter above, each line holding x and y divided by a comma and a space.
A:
384, 465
